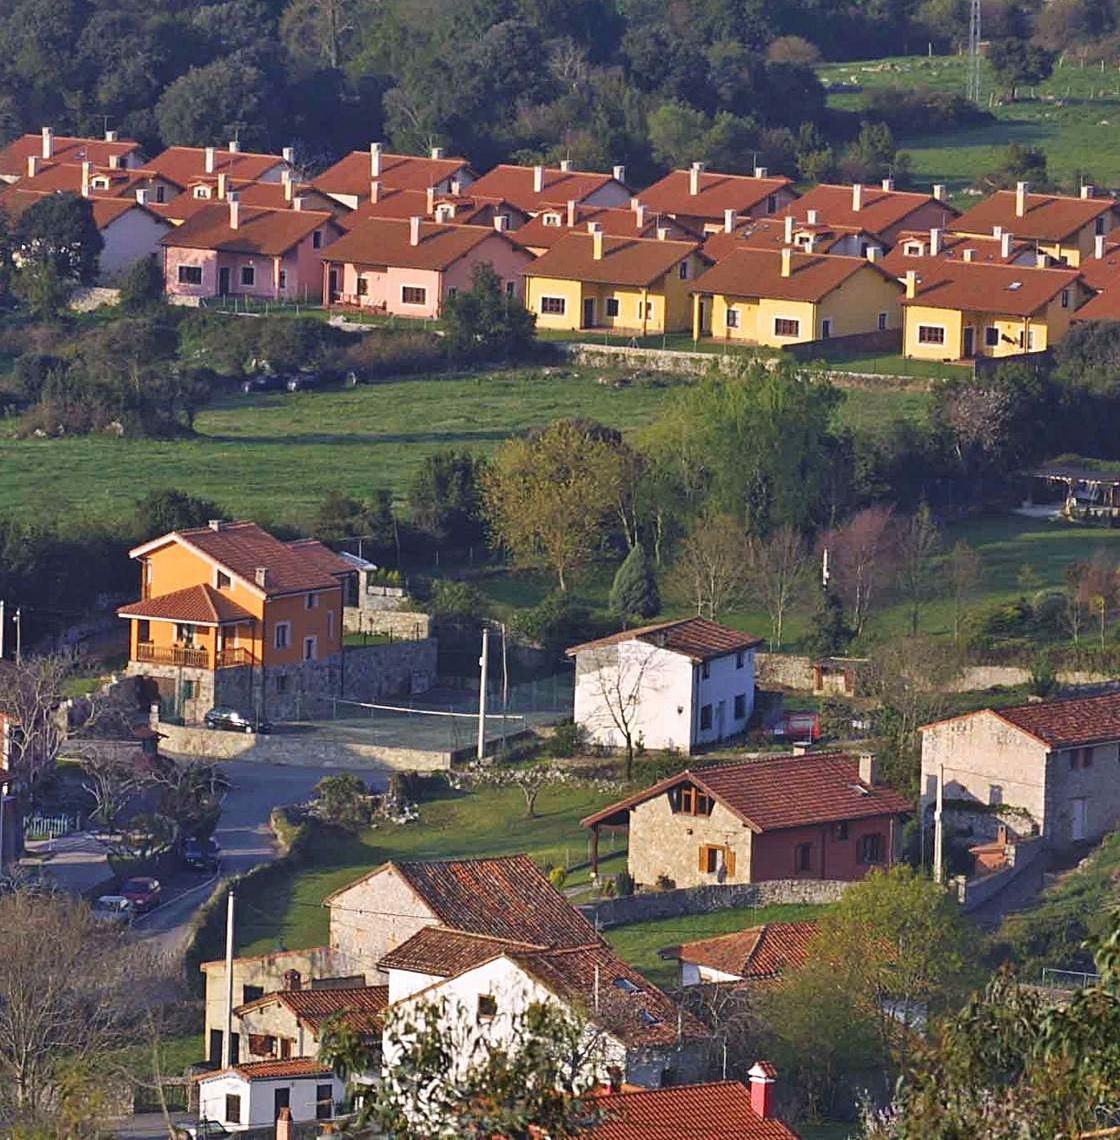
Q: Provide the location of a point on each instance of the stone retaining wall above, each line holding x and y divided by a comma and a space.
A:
402, 668
648, 905
652, 359
406, 625
975, 892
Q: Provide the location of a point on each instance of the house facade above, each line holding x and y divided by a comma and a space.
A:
229, 615
818, 816
1053, 763
252, 1095
680, 684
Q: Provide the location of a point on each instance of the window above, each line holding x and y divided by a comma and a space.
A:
786, 326
281, 682
687, 800
714, 859
991, 336
452, 291
771, 203
413, 295
826, 328
143, 631
705, 717
871, 849
233, 1108
330, 625
251, 993
311, 602
286, 1048
840, 830
283, 635
931, 334
803, 857
184, 634
317, 240
612, 306
221, 580
1030, 340
487, 1007
510, 285
324, 1102
995, 795
682, 270
552, 219
912, 249
362, 287
310, 648
282, 280
1065, 298
883, 322
1080, 758
1098, 226
160, 194
732, 317
740, 706
553, 305
202, 191
190, 274
740, 659
248, 275
645, 310
189, 690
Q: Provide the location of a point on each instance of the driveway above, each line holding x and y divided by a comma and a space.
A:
243, 832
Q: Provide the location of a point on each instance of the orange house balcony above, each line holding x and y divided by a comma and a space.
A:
193, 656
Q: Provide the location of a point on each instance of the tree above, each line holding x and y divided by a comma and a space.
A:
485, 322
160, 512
964, 570
1017, 62
444, 500
142, 287
831, 633
776, 569
319, 29
529, 779
634, 590
711, 565
214, 101
58, 230
860, 555
343, 802
919, 539
548, 496
112, 778
190, 801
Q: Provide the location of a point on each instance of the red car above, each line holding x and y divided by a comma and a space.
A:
143, 892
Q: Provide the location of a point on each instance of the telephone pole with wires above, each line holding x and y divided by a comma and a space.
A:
973, 92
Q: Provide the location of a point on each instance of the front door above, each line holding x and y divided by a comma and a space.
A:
332, 284
1077, 820
223, 281
589, 312
720, 711
969, 340
281, 1098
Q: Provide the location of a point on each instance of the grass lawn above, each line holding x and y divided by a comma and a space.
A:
1071, 120
639, 943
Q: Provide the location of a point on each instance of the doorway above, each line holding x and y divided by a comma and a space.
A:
589, 312
969, 341
332, 284
1077, 814
223, 281
281, 1098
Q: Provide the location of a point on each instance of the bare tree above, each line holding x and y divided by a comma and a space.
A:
963, 570
775, 573
919, 540
860, 558
112, 778
710, 569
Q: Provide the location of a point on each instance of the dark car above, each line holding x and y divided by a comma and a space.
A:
304, 381
201, 854
142, 891
262, 382
230, 720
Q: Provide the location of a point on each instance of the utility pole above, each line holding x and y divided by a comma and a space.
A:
19, 636
938, 854
228, 1059
482, 691
974, 52
1, 629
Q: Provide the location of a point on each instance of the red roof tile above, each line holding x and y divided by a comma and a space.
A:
984, 250
198, 605
415, 204
879, 210
1105, 306
717, 1111
387, 241
770, 234
1048, 217
515, 184
272, 1070
625, 261
54, 176
184, 164
756, 954
776, 792
718, 193
758, 273
1102, 272
259, 230
360, 1007
16, 199
446, 953
1068, 723
1012, 290
543, 232
352, 175
67, 148
694, 637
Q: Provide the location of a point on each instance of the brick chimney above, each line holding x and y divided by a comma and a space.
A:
911, 284
934, 242
694, 173
618, 173
787, 235
787, 261
857, 197
538, 179
868, 768
208, 160
292, 982
87, 171
284, 1124
375, 160
33, 161
48, 143
1006, 240
260, 576
761, 1077
1021, 189
414, 230
729, 218
234, 212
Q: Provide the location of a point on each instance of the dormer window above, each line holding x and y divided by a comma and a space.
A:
100, 182
202, 191
552, 219
687, 800
912, 249
221, 580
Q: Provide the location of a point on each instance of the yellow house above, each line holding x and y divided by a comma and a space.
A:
956, 310
1056, 224
783, 297
594, 280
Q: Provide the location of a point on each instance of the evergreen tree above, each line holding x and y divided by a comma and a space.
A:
831, 632
485, 322
634, 590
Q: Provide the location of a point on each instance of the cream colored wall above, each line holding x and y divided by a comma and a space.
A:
1038, 332
571, 291
855, 306
275, 1020
950, 319
770, 310
662, 842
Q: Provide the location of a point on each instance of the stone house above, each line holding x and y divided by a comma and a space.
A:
816, 816
1052, 762
676, 684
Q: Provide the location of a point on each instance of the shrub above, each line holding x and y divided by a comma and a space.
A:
623, 884
558, 876
567, 739
385, 353
664, 883
556, 623
1043, 681
342, 801
921, 110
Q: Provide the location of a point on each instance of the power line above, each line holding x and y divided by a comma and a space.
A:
974, 52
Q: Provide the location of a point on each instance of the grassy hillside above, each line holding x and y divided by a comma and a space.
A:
1072, 120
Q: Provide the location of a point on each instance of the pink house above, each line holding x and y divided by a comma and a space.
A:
409, 267
231, 249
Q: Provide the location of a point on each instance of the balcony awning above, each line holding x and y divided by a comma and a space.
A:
196, 605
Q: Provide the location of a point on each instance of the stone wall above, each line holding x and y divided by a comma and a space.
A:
886, 341
648, 905
402, 668
90, 297
650, 359
784, 670
1023, 855
405, 625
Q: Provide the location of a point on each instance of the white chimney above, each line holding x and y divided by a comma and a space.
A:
288, 154
911, 283
572, 216
110, 136
33, 161
694, 173
597, 244
787, 236
208, 160
760, 172
888, 185
298, 202
1041, 261
939, 191
375, 191
566, 165
289, 188
810, 243
1005, 242
868, 768
538, 179
857, 197
1088, 190
787, 261
375, 160
662, 233
414, 231
141, 197
456, 187
260, 576
594, 228
1021, 189
214, 524
437, 153
430, 200
223, 184
969, 255
234, 147
87, 170
48, 143
501, 223
811, 216
639, 217
1098, 246
114, 162
729, 217
934, 242
618, 173
874, 252
234, 212
997, 231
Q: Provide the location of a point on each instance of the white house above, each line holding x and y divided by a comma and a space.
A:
676, 684
252, 1095
1056, 761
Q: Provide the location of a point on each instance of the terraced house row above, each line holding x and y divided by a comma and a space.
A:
733, 258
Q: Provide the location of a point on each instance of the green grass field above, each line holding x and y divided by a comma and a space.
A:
1072, 120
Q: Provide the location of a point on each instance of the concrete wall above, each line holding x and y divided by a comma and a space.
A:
664, 842
404, 667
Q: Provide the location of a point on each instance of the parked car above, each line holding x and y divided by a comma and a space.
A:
262, 382
230, 720
142, 891
201, 854
114, 909
304, 381
203, 1130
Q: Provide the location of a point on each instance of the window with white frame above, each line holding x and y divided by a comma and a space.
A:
190, 274
787, 326
931, 334
311, 601
202, 191
282, 635
248, 275
554, 306
732, 317
414, 295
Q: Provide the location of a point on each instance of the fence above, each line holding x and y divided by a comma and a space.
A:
1068, 979
51, 826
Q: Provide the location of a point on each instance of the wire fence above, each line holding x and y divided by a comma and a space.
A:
1068, 979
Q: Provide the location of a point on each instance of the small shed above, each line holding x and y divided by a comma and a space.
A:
1081, 487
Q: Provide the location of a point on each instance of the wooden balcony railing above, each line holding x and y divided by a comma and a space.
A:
233, 656
187, 655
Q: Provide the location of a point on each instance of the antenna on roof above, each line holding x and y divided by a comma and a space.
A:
595, 991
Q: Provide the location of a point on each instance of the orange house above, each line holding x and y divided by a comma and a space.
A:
230, 615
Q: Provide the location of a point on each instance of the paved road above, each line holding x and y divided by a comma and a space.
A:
244, 835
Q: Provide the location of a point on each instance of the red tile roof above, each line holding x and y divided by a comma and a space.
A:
626, 261
1048, 217
446, 953
879, 209
756, 954
387, 241
1102, 272
694, 637
67, 148
272, 1070
184, 164
106, 210
515, 184
54, 176
985, 250
777, 792
615, 221
718, 192
353, 174
717, 1111
1068, 723
1012, 290
198, 605
770, 234
267, 232
758, 273
360, 1007
1105, 306
414, 204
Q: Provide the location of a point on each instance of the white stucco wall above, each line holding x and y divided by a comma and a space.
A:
132, 236
405, 983
693, 975
258, 1104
